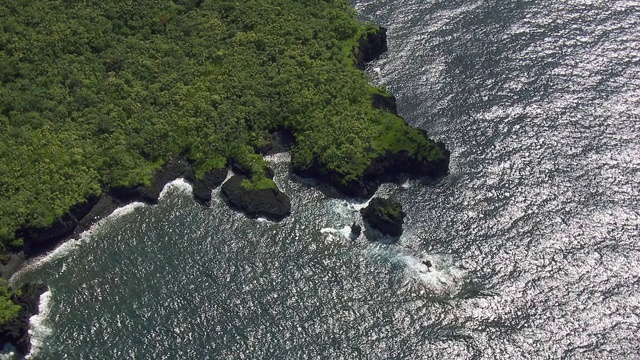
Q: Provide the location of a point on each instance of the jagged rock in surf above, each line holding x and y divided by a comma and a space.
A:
384, 215
356, 230
202, 187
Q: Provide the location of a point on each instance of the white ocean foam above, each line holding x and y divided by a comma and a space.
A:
345, 231
39, 327
328, 231
333, 234
279, 157
442, 278
117, 213
179, 184
216, 196
70, 245
346, 208
229, 175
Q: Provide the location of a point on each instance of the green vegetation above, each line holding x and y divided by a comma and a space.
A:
388, 209
8, 309
99, 93
261, 184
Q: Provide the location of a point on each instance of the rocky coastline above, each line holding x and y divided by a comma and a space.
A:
16, 331
268, 203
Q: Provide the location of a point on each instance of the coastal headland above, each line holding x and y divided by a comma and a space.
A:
103, 105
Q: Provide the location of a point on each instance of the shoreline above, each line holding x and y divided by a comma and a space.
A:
81, 217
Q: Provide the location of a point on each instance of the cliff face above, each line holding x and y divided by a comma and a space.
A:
371, 45
382, 169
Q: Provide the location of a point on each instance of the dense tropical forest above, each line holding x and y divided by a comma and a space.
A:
96, 93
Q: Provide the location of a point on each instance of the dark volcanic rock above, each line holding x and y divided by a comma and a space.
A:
385, 102
356, 230
81, 216
16, 331
81, 210
37, 240
202, 188
270, 203
384, 215
382, 169
39, 237
371, 45
281, 141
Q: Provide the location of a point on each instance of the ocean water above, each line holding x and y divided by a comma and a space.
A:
534, 236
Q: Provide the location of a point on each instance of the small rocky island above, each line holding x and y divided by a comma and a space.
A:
384, 215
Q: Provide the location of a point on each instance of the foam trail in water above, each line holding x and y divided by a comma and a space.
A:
229, 175
440, 276
435, 273
70, 245
407, 184
337, 234
345, 207
215, 193
179, 184
39, 328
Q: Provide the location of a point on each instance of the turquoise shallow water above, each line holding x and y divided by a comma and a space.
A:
534, 234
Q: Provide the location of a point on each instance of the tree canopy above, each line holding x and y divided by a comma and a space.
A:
102, 93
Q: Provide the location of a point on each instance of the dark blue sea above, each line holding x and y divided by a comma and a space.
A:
534, 236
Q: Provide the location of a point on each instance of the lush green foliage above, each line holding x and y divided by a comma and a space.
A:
8, 309
260, 184
97, 93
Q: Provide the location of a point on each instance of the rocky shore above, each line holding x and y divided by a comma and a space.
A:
386, 167
16, 331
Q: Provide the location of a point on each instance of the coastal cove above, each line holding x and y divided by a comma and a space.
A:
404, 151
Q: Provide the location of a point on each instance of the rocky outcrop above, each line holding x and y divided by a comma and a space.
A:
16, 331
371, 45
384, 215
268, 203
202, 187
387, 167
356, 230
